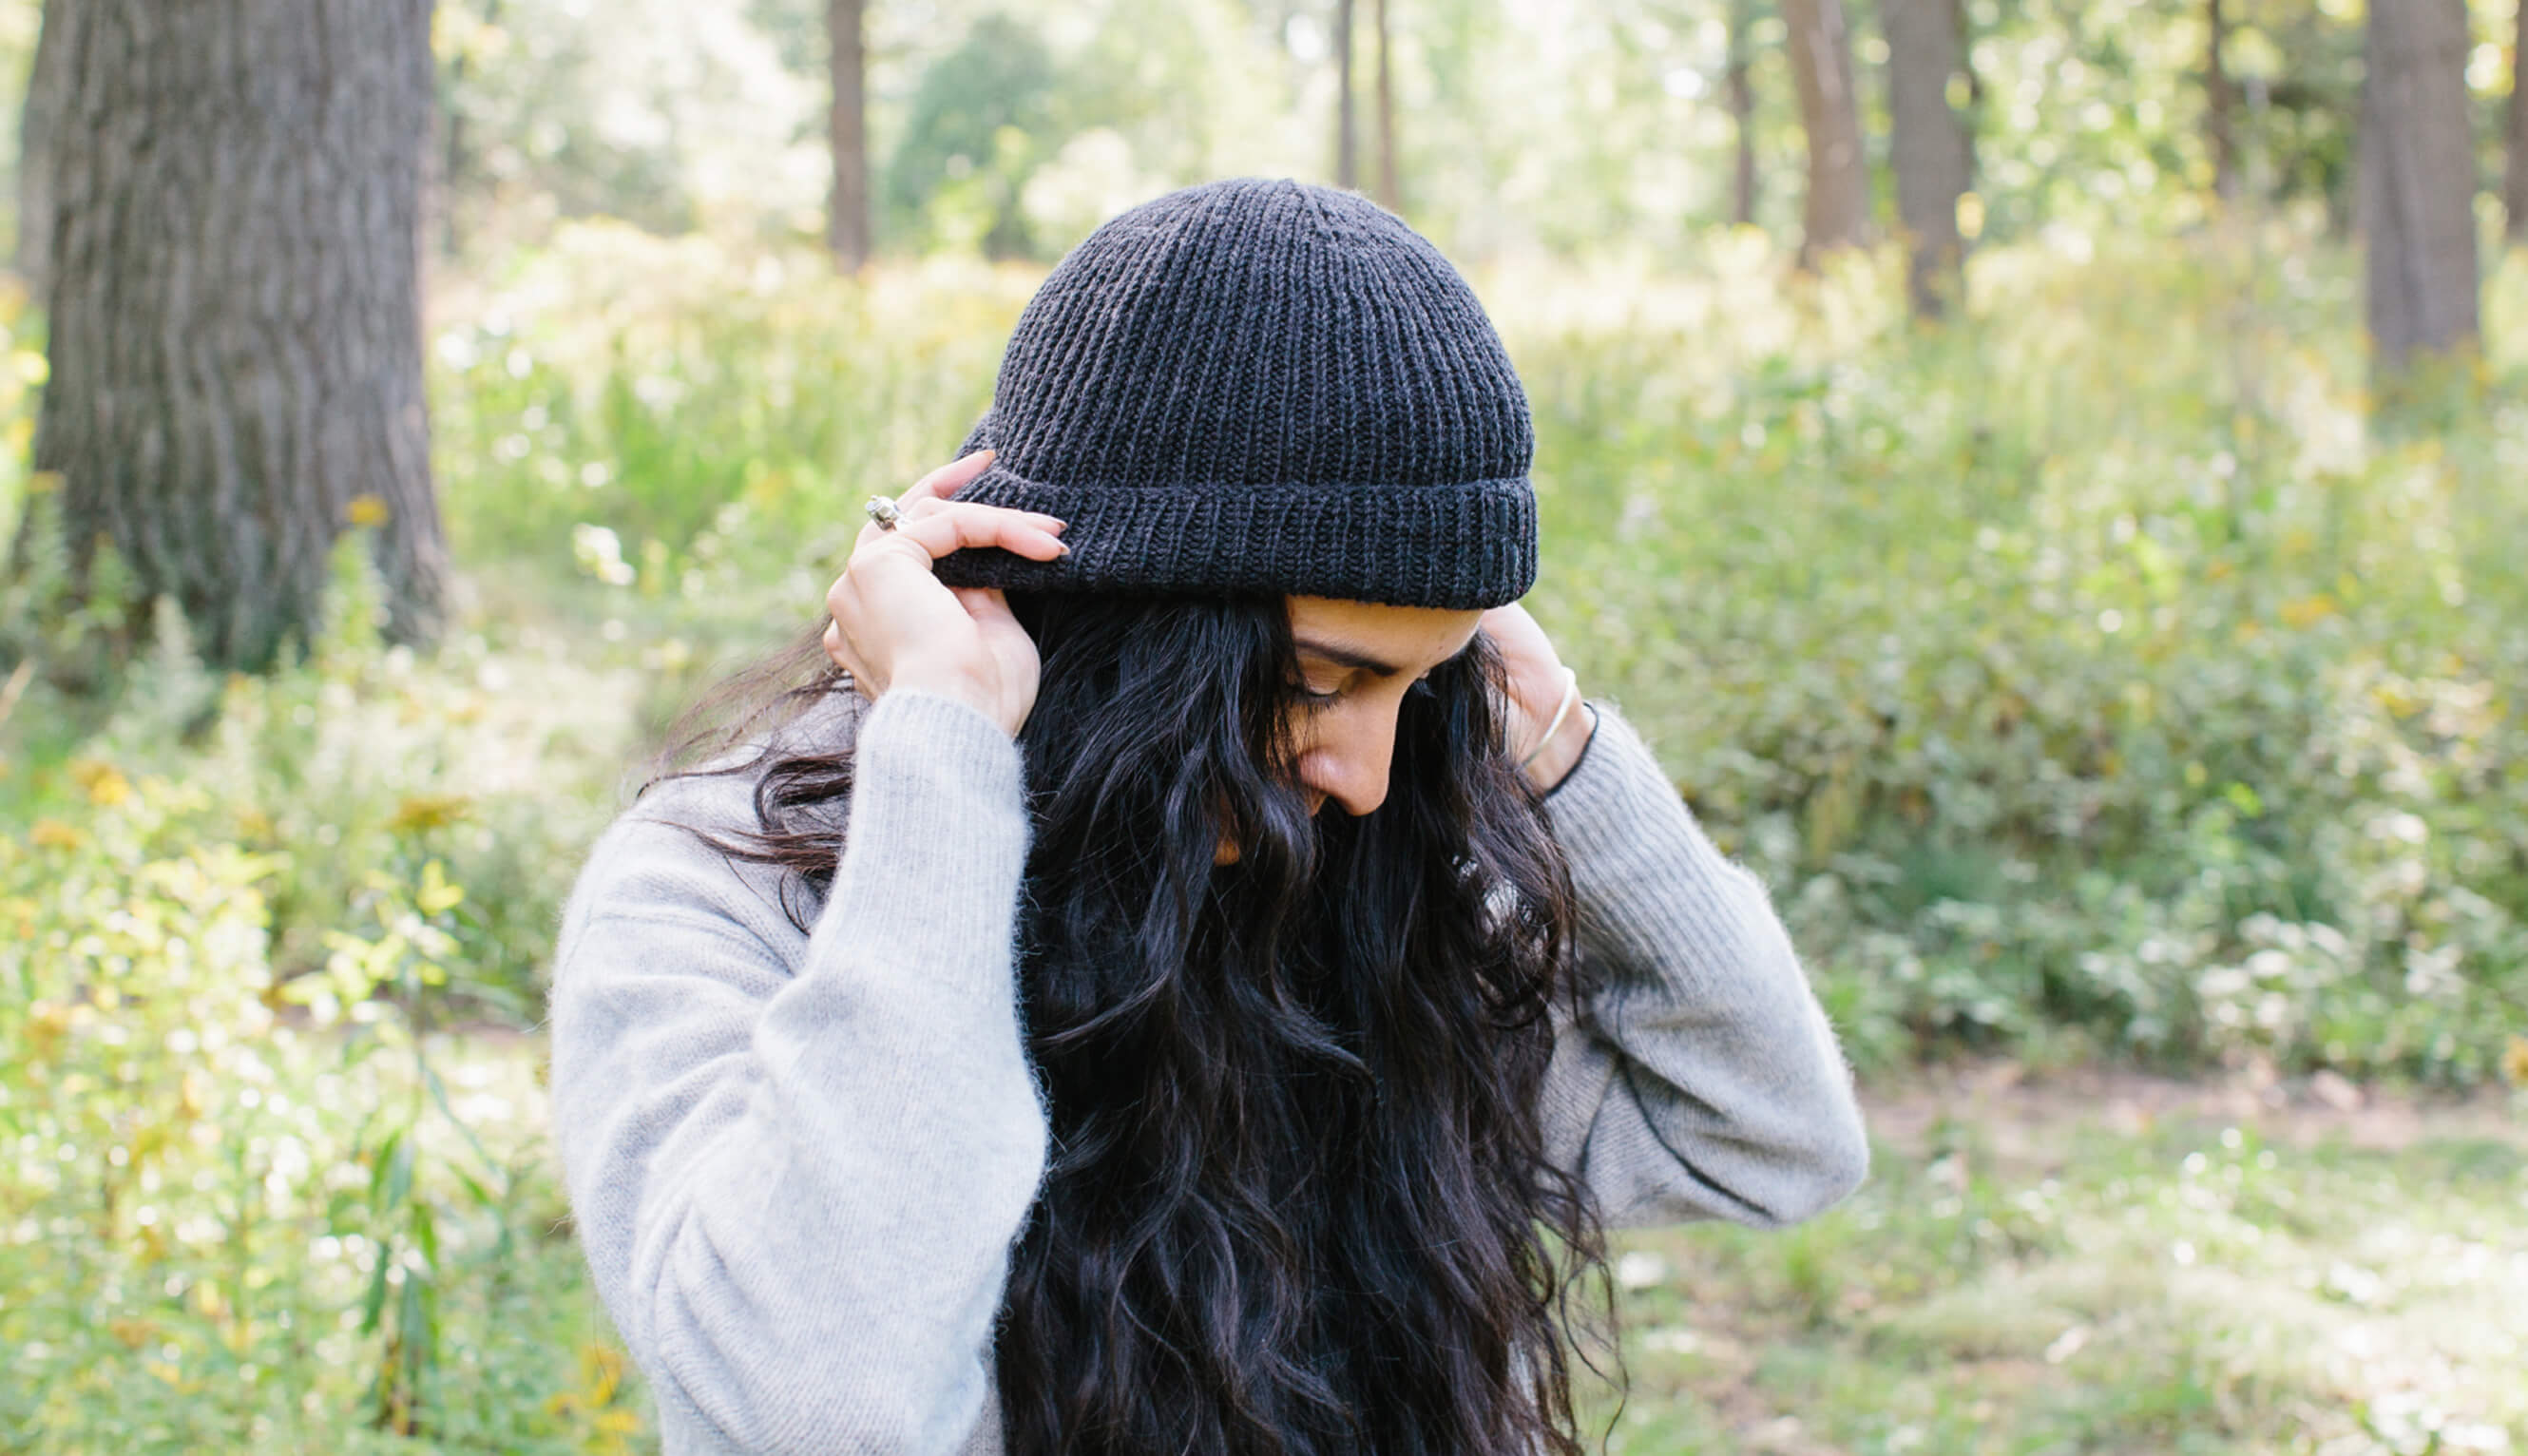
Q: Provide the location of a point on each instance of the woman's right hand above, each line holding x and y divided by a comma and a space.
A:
896, 625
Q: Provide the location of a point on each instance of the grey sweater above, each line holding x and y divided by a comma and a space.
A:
797, 1162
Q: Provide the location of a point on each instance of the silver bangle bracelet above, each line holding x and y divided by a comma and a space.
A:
1562, 710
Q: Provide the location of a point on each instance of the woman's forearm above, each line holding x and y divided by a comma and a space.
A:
1703, 1079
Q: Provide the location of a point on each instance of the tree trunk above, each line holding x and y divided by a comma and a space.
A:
1347, 146
1390, 194
1928, 148
1972, 121
1740, 87
1837, 214
2417, 183
235, 332
2514, 177
35, 145
847, 206
2219, 130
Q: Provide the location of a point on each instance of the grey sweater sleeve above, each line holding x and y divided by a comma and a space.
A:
797, 1171
1702, 1080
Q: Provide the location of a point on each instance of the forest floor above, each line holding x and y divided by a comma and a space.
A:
2102, 1261
2085, 1261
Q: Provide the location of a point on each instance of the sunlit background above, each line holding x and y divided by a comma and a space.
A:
2056, 520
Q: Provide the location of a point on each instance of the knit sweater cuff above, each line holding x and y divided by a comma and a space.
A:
937, 835
908, 732
1644, 870
1615, 777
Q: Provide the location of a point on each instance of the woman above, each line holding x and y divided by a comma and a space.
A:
1187, 974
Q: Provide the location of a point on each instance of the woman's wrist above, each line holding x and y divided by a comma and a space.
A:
1553, 758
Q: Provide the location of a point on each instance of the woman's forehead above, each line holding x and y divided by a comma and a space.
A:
1381, 636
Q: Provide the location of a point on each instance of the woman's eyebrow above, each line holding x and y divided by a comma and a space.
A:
1343, 656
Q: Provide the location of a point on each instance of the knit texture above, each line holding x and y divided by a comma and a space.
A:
1261, 386
797, 1161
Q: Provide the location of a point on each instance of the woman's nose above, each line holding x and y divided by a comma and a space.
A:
1351, 767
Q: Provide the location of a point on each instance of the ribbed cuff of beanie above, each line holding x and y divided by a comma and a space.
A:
1465, 545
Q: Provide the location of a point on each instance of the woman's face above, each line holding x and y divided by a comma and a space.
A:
1357, 660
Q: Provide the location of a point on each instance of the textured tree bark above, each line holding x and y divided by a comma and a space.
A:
1929, 148
1740, 87
1346, 145
2514, 176
2417, 183
1837, 213
35, 146
847, 206
1391, 194
2220, 132
235, 334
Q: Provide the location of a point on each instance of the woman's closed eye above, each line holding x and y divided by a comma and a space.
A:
1311, 696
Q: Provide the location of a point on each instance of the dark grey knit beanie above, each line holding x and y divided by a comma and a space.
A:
1261, 386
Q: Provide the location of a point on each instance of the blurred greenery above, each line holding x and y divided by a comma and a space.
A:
2089, 678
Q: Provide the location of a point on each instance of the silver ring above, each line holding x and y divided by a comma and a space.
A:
883, 510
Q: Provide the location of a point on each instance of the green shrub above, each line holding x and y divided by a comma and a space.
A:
2085, 666
231, 1225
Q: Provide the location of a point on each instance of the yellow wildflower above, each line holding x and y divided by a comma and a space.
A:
416, 812
103, 783
53, 834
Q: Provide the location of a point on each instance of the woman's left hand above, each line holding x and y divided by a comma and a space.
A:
1537, 683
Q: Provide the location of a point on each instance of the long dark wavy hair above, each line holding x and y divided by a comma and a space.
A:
1298, 1200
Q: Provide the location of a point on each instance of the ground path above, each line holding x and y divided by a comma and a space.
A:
2103, 1262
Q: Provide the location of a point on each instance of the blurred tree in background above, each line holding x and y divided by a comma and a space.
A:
1837, 213
1347, 126
1738, 85
847, 204
2514, 184
2418, 184
232, 196
1927, 147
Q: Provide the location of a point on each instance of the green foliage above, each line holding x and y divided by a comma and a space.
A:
700, 402
980, 122
230, 1226
2083, 667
